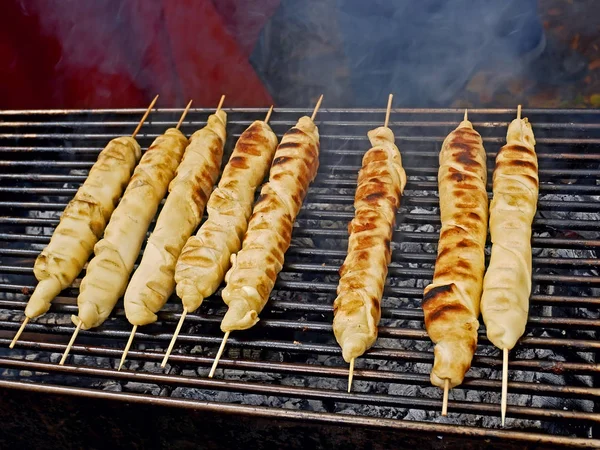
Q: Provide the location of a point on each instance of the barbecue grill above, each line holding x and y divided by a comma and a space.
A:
283, 382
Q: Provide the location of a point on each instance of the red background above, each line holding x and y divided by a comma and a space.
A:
111, 54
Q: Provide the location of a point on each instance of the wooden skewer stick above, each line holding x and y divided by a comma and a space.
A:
445, 400
519, 112
71, 342
18, 335
317, 106
137, 130
174, 338
388, 111
466, 116
221, 102
504, 384
185, 111
351, 374
218, 357
129, 342
268, 114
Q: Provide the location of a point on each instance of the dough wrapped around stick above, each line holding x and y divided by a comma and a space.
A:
451, 301
507, 282
357, 308
255, 268
109, 270
82, 223
154, 280
205, 258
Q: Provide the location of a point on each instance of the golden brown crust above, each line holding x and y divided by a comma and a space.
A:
154, 280
109, 270
451, 301
357, 308
206, 256
256, 266
82, 223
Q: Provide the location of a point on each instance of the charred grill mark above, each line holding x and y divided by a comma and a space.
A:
517, 148
467, 160
456, 177
247, 148
291, 144
517, 163
238, 162
294, 131
372, 198
474, 216
448, 310
435, 292
463, 264
281, 160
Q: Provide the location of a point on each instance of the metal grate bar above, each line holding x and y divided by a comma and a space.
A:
290, 357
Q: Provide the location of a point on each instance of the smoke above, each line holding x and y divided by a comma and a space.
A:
357, 52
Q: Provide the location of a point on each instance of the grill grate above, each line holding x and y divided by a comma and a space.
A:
289, 364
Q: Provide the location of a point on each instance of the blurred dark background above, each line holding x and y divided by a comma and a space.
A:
110, 53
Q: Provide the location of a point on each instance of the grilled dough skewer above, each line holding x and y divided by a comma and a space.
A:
153, 282
256, 266
114, 255
451, 301
205, 258
507, 282
357, 308
82, 222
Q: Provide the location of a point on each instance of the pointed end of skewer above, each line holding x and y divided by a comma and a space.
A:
185, 111
129, 342
388, 110
221, 102
18, 335
174, 338
445, 400
504, 384
519, 112
317, 106
144, 117
350, 374
71, 342
269, 114
218, 357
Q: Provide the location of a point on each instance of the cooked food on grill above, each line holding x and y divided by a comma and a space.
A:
507, 282
109, 270
153, 282
206, 256
256, 266
82, 223
451, 301
357, 308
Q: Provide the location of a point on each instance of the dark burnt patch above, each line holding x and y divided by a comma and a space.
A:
291, 144
238, 162
294, 131
435, 292
374, 196
449, 309
467, 160
281, 160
